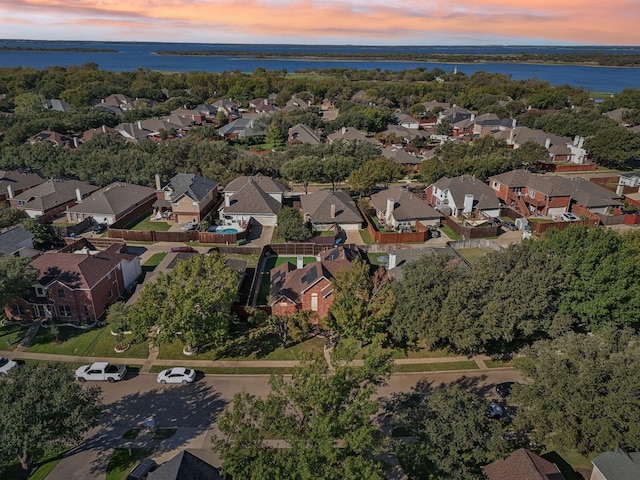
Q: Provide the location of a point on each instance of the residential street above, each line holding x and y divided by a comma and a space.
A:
194, 408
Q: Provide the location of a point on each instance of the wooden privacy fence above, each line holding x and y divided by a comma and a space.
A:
420, 235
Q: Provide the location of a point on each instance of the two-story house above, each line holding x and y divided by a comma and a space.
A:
463, 195
14, 182
76, 287
254, 198
186, 198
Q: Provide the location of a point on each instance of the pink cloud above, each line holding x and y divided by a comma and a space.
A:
356, 21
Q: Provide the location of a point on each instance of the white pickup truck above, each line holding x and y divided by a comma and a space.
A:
101, 372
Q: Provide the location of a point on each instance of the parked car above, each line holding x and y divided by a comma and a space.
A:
569, 217
177, 375
6, 366
101, 372
495, 411
510, 226
141, 470
189, 226
99, 228
434, 232
184, 249
504, 389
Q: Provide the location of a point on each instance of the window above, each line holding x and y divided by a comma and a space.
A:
17, 309
109, 276
314, 302
64, 310
60, 293
40, 291
86, 310
110, 293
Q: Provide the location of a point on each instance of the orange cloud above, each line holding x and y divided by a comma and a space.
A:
355, 21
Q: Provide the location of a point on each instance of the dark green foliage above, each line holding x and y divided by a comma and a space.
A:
16, 277
41, 236
581, 392
44, 408
453, 435
292, 225
324, 418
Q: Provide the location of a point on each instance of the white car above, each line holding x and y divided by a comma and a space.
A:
177, 375
101, 372
189, 226
569, 217
6, 366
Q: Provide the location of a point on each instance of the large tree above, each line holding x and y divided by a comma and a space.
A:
16, 277
581, 392
192, 303
362, 303
318, 424
453, 436
42, 408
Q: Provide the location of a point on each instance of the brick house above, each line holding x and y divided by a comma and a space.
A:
308, 287
14, 182
187, 197
76, 287
462, 195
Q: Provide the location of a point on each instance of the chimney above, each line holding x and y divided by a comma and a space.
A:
299, 262
75, 142
513, 123
392, 261
78, 195
391, 203
620, 190
227, 200
547, 143
468, 203
9, 192
333, 210
344, 130
576, 139
158, 184
581, 142
140, 124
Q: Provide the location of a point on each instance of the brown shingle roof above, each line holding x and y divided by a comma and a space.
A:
522, 465
318, 206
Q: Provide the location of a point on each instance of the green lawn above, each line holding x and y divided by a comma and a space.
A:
435, 367
45, 466
378, 258
450, 233
414, 351
568, 460
97, 342
10, 336
366, 236
154, 260
500, 363
144, 223
246, 347
123, 460
270, 263
472, 255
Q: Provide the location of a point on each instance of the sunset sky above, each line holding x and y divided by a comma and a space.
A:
360, 22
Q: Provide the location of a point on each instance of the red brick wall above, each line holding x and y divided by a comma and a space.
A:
323, 303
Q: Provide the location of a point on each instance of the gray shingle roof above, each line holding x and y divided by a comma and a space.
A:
618, 464
185, 466
483, 195
192, 185
53, 193
267, 184
15, 239
318, 206
253, 200
18, 180
113, 199
407, 206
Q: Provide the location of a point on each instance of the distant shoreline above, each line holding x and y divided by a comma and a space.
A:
586, 60
6, 48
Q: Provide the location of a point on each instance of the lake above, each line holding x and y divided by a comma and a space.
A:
133, 55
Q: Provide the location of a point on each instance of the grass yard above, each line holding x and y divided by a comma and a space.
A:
154, 260
366, 236
97, 342
569, 461
164, 433
450, 233
145, 224
45, 466
378, 258
271, 262
472, 255
415, 351
435, 367
10, 336
123, 460
246, 347
500, 363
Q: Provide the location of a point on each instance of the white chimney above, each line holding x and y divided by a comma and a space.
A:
227, 200
392, 261
576, 139
390, 206
78, 195
468, 203
344, 130
140, 124
581, 142
299, 262
547, 143
158, 184
620, 190
333, 210
513, 123
9, 192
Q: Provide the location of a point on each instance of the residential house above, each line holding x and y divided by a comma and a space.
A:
331, 210
17, 242
208, 111
463, 195
183, 466
627, 179
406, 134
617, 464
134, 132
561, 149
402, 209
490, 123
295, 103
619, 115
407, 121
522, 464
111, 203
87, 135
590, 197
402, 157
77, 287
350, 134
56, 105
256, 198
262, 105
191, 115
433, 105
51, 198
55, 138
186, 198
14, 182
228, 107
302, 133
308, 287
400, 258
454, 114
245, 126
